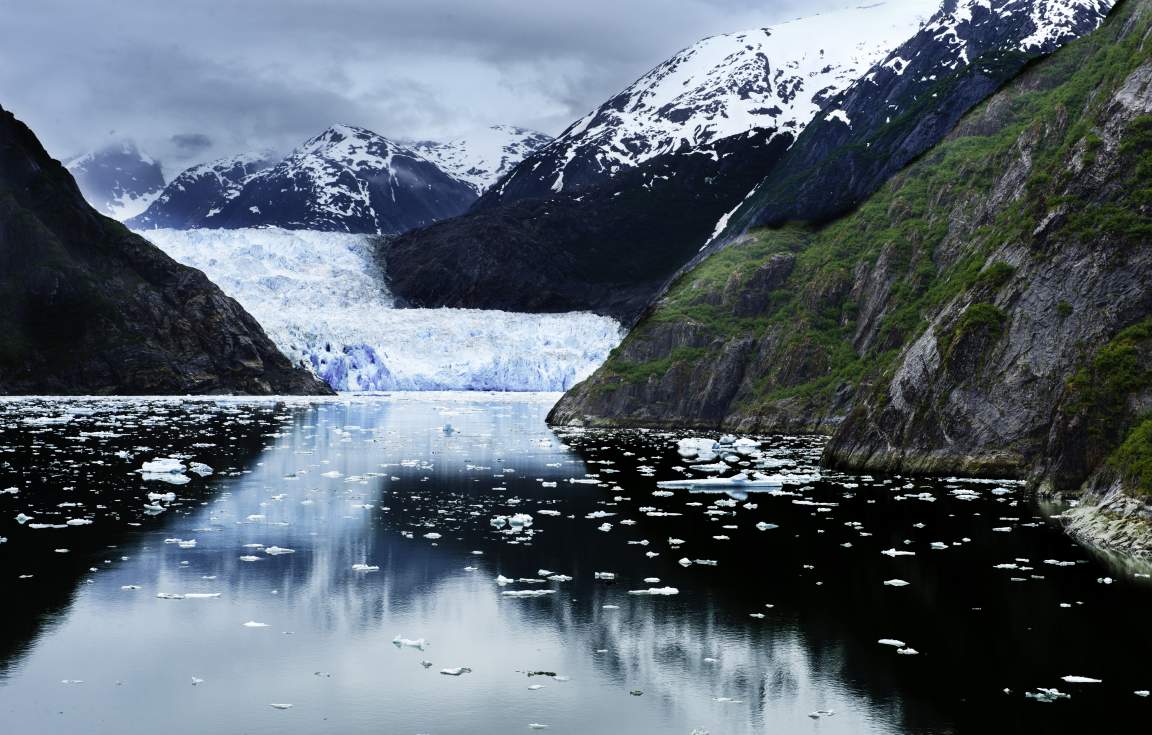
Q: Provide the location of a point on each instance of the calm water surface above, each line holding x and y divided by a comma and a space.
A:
105, 632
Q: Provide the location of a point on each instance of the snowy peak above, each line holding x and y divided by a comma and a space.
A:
771, 78
346, 179
909, 101
963, 30
348, 147
118, 180
200, 192
1046, 24
480, 158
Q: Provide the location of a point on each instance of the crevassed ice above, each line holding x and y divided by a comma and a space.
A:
320, 297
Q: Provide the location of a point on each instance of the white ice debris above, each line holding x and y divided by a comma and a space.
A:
458, 671
402, 642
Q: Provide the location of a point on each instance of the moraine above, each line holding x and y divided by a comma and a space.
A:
288, 565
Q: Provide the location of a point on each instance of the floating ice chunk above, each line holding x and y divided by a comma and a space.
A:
202, 595
535, 687
22, 518
739, 481
254, 624
249, 557
332, 474
537, 725
130, 587
196, 681
200, 468
503, 581
458, 671
280, 705
1142, 692
499, 522
651, 580
685, 562
766, 526
78, 522
527, 593
162, 497
401, 642
520, 520
605, 527
907, 651
1047, 695
895, 583
892, 642
663, 591
896, 552
365, 568
1105, 580
162, 465
278, 550
1081, 680
605, 575
432, 536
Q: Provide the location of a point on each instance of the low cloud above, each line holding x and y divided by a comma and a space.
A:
268, 74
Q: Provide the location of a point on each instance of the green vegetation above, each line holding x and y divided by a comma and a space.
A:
1064, 309
1100, 390
995, 275
640, 372
1133, 459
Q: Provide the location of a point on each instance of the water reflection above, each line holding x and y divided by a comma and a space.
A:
782, 628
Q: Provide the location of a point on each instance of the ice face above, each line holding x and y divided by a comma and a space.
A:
322, 300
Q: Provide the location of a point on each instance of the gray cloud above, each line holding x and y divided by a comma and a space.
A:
191, 81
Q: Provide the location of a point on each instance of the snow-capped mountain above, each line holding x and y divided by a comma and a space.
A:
199, 193
321, 298
118, 180
347, 179
481, 157
910, 99
769, 78
622, 229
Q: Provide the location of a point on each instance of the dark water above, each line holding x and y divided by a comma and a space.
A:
785, 624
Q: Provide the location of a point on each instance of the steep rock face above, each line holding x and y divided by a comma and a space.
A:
483, 157
118, 180
600, 218
607, 250
986, 312
346, 179
88, 307
199, 193
909, 101
764, 79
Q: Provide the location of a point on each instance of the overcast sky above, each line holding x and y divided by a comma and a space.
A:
195, 79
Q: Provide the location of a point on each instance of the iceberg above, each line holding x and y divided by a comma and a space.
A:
322, 299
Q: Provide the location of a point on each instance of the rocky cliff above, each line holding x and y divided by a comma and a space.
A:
88, 307
986, 312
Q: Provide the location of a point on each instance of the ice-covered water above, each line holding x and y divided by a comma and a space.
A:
313, 543
321, 299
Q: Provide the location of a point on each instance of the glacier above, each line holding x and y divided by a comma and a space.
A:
321, 299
